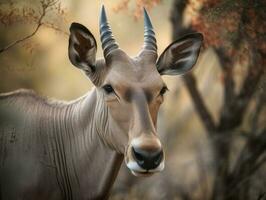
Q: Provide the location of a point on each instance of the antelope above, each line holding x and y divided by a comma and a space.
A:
54, 150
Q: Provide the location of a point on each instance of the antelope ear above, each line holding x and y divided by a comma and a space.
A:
82, 48
180, 56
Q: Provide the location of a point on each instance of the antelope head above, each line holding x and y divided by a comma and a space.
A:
131, 90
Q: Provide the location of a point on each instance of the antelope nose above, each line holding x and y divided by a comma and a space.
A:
147, 159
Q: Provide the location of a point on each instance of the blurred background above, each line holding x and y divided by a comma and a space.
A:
213, 121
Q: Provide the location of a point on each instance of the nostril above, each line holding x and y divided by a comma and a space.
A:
147, 159
138, 156
158, 158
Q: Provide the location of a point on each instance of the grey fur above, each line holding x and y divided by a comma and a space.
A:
50, 149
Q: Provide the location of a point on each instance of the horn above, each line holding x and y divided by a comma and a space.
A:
149, 35
108, 42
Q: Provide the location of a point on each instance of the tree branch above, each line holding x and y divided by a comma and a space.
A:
248, 161
233, 116
233, 111
226, 64
258, 109
199, 104
45, 5
189, 79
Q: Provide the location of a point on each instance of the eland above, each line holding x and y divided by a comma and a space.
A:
73, 150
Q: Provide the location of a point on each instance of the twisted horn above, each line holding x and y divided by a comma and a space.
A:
149, 35
108, 42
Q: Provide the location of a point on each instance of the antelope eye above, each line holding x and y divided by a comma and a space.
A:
108, 88
163, 90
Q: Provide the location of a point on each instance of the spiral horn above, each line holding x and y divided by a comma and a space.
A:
107, 39
149, 35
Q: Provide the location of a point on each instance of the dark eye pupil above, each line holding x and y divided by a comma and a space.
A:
108, 88
163, 90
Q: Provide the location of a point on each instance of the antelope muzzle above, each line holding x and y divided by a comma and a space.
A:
145, 155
